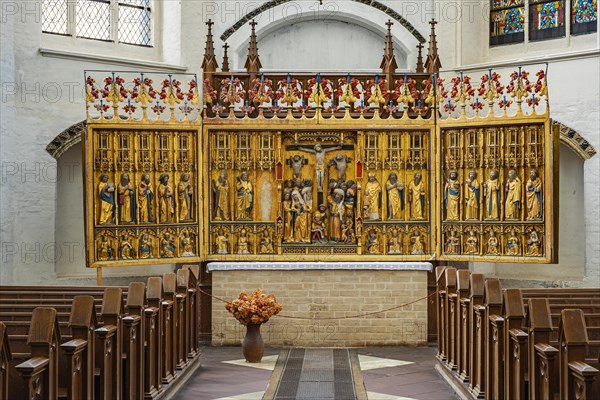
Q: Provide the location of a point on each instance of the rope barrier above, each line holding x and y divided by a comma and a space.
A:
338, 318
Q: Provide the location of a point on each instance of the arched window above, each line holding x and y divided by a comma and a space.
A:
122, 21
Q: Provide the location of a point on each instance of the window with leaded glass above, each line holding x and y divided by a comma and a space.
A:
55, 17
93, 19
507, 21
546, 19
135, 22
584, 16
122, 21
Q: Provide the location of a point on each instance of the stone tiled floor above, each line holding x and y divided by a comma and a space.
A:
414, 378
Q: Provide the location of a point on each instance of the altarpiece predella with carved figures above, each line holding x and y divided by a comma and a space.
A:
254, 166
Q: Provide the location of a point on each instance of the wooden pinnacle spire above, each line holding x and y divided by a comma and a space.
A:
433, 63
225, 67
253, 64
420, 66
210, 61
388, 64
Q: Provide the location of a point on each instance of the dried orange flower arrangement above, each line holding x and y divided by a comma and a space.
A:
256, 308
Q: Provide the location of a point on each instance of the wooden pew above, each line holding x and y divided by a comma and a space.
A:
5, 359
151, 337
490, 346
133, 342
154, 325
75, 378
34, 372
194, 306
183, 318
578, 380
440, 309
450, 316
493, 307
171, 330
79, 350
462, 323
473, 344
109, 347
545, 353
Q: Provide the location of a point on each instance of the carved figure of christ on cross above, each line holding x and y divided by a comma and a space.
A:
319, 153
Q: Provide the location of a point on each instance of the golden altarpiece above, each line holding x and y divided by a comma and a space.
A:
272, 167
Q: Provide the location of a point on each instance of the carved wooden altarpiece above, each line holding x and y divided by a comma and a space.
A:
316, 167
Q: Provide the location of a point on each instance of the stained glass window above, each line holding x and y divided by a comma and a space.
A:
507, 22
546, 19
584, 16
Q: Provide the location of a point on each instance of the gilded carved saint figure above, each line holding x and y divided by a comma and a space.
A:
288, 221
301, 217
245, 197
242, 245
372, 197
126, 195
336, 215
416, 243
493, 246
513, 245
472, 244
187, 246
491, 193
185, 191
472, 196
513, 196
395, 243
319, 230
348, 235
105, 250
221, 242
221, 205
145, 250
534, 245
533, 191
145, 196
106, 191
166, 200
395, 197
452, 197
416, 197
453, 243
372, 245
125, 248
167, 246
307, 193
266, 243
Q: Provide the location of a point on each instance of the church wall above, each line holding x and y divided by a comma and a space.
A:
7, 124
314, 293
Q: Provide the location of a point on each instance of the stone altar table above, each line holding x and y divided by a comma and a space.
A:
316, 292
